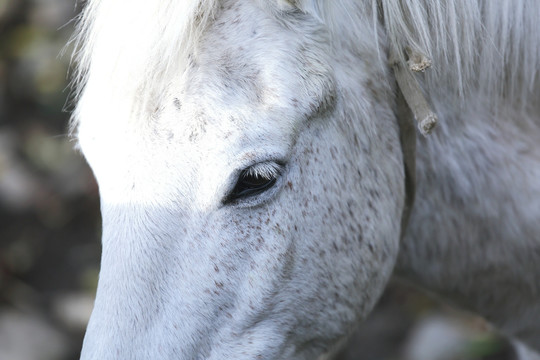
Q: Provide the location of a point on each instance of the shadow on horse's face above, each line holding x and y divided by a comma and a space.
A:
256, 212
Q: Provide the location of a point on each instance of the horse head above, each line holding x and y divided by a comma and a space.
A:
250, 174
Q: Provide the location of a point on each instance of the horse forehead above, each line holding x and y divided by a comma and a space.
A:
242, 57
251, 73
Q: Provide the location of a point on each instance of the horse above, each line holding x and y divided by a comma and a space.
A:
260, 182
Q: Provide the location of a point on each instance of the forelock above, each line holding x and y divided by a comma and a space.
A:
135, 42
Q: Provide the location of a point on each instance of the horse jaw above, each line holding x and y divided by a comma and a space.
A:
185, 276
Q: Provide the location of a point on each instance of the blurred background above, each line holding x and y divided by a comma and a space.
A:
50, 224
49, 209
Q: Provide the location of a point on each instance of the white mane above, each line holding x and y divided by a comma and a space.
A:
491, 47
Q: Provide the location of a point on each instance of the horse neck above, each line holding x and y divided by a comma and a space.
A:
473, 233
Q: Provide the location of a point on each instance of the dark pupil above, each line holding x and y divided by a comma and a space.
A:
249, 185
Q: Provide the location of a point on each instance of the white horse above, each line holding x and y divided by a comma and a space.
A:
252, 176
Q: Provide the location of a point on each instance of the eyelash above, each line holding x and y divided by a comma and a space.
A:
254, 181
266, 170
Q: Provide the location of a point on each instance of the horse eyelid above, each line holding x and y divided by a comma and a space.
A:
268, 170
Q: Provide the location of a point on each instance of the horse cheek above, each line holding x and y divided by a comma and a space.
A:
341, 222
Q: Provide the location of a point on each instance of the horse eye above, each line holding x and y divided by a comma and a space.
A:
251, 183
